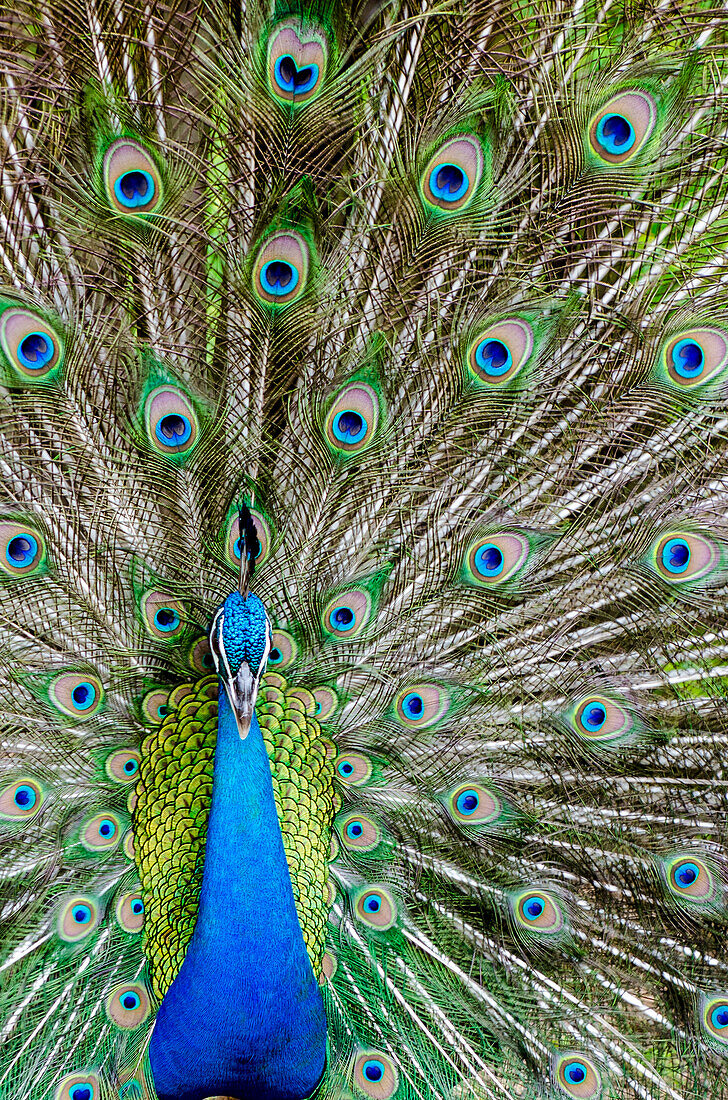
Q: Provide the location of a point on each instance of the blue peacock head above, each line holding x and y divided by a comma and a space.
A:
240, 635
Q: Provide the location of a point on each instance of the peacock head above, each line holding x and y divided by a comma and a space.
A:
240, 641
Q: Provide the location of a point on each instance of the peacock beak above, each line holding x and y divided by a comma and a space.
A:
242, 691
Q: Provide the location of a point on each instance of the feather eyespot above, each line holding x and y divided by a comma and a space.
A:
359, 833
101, 833
693, 357
232, 539
691, 880
496, 559
599, 718
681, 556
578, 1076
155, 706
348, 613
123, 766
375, 906
421, 705
622, 126
538, 912
353, 769
78, 1086
714, 1018
22, 549
297, 60
375, 1075
326, 702
128, 1006
77, 918
501, 352
30, 345
22, 799
283, 650
163, 615
77, 695
280, 272
130, 911
453, 175
200, 657
352, 419
132, 180
171, 422
472, 804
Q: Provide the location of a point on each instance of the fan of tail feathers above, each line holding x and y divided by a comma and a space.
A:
437, 291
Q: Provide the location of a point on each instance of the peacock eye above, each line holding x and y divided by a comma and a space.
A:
578, 1076
122, 766
599, 718
353, 768
539, 912
348, 613
375, 1075
622, 126
154, 706
327, 702
376, 907
171, 422
128, 1006
693, 358
297, 61
77, 918
496, 559
130, 911
77, 695
453, 174
715, 1018
473, 804
690, 880
359, 833
352, 419
102, 832
78, 1086
283, 651
22, 799
232, 539
22, 549
132, 180
501, 352
30, 345
681, 556
163, 616
280, 271
421, 705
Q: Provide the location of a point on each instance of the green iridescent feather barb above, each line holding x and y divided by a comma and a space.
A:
363, 550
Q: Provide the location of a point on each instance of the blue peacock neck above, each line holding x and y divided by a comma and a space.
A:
244, 1017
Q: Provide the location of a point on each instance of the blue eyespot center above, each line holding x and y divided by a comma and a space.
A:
341, 618
615, 134
36, 350
81, 914
575, 1072
137, 907
676, 555
173, 430
293, 80
686, 874
163, 711
278, 277
593, 717
467, 802
489, 560
354, 830
81, 1092
131, 766
134, 189
687, 358
84, 696
349, 426
107, 829
275, 656
21, 550
533, 908
345, 768
373, 1070
493, 357
25, 798
166, 619
130, 1000
413, 706
719, 1017
372, 903
448, 182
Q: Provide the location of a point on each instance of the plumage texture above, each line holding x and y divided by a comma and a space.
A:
423, 284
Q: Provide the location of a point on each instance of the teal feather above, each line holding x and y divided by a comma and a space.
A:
434, 296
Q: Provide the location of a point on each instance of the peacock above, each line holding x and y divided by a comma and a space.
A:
363, 550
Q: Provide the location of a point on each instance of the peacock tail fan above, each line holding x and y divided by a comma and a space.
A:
434, 294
